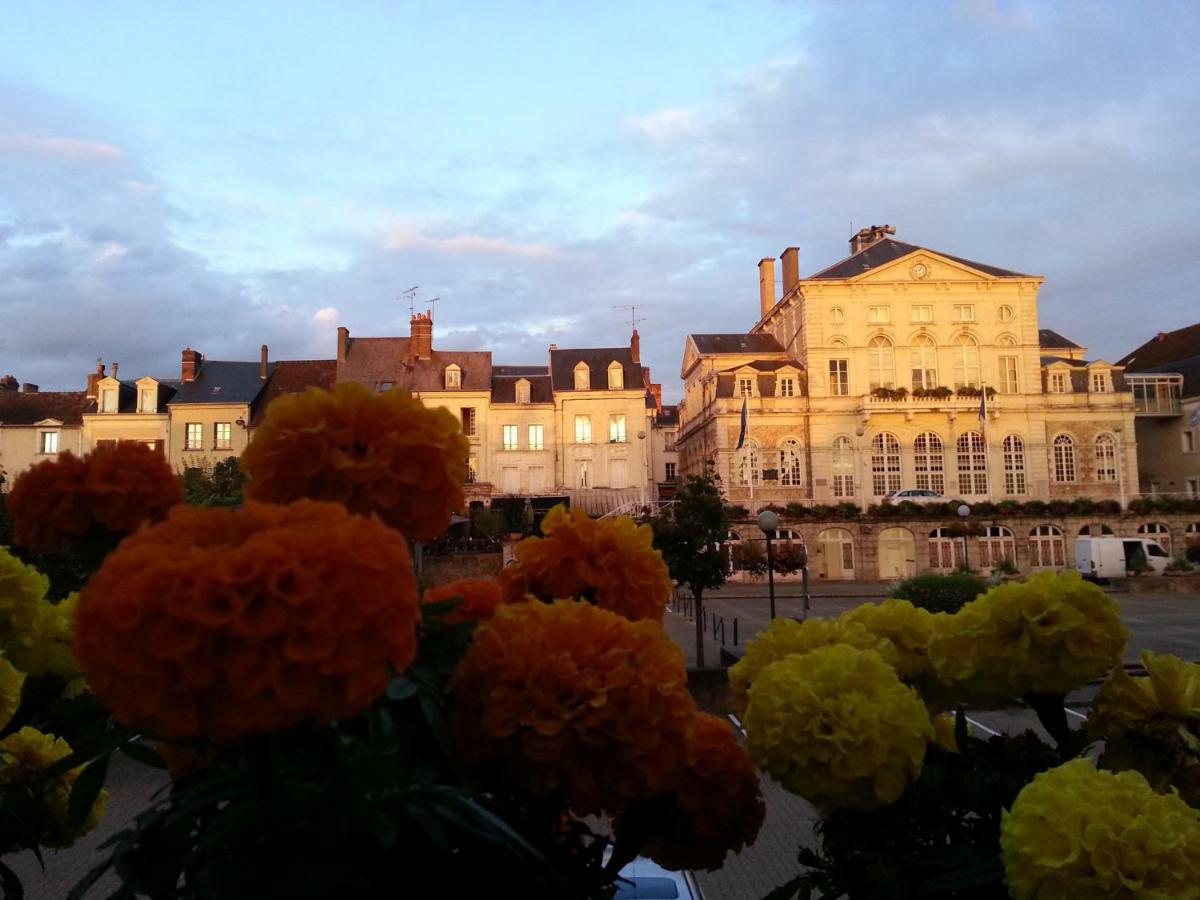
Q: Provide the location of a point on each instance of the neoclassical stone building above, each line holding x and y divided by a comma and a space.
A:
866, 378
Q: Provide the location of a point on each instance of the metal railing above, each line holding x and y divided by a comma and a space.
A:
1158, 394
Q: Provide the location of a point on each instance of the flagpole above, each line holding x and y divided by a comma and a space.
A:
987, 450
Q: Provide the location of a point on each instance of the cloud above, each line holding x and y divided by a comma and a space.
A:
404, 237
327, 315
58, 147
665, 125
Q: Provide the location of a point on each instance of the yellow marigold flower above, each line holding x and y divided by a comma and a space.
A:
716, 809
22, 592
1047, 635
1152, 724
222, 622
574, 701
1074, 832
907, 627
45, 649
41, 805
373, 453
609, 561
838, 727
943, 731
11, 682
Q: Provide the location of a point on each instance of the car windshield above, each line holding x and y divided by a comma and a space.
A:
646, 889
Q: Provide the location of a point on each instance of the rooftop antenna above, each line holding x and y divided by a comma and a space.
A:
411, 296
634, 318
432, 307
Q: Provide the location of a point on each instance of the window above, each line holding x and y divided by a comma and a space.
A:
929, 462
583, 429
511, 440
467, 413
537, 437
522, 391
745, 387
1047, 550
881, 363
1189, 441
1099, 382
1157, 532
924, 362
1193, 487
583, 377
1058, 382
48, 442
748, 471
616, 376
222, 436
843, 467
472, 469
966, 361
194, 436
1006, 313
885, 464
879, 315
453, 378
1106, 458
837, 315
616, 429
670, 471
108, 400
972, 464
945, 550
964, 312
787, 387
148, 400
1014, 465
996, 544
1064, 458
839, 378
1008, 375
922, 313
385, 386
791, 473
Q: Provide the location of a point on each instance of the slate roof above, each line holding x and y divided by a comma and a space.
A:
736, 343
218, 381
887, 250
762, 365
1163, 349
669, 416
520, 371
29, 409
372, 361
504, 386
293, 376
564, 361
1052, 340
127, 400
1075, 363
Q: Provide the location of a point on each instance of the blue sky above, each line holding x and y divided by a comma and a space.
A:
223, 175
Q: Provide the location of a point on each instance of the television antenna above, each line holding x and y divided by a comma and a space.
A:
411, 296
634, 318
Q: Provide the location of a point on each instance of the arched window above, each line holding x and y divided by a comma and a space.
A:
835, 554
749, 473
1064, 458
522, 391
583, 377
1047, 549
1159, 532
1106, 458
923, 355
790, 471
616, 376
1014, 465
1008, 365
997, 543
945, 550
453, 377
881, 362
972, 464
885, 464
929, 462
843, 467
1095, 529
966, 361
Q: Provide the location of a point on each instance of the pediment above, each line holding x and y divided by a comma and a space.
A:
922, 267
49, 423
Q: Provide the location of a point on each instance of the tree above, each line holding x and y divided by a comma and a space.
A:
219, 485
690, 534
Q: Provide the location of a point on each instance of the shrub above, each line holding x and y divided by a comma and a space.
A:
941, 593
1033, 508
1141, 505
1008, 507
750, 557
1058, 507
848, 511
1082, 506
798, 510
737, 512
984, 508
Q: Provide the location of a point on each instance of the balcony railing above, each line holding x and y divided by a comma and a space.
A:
1158, 394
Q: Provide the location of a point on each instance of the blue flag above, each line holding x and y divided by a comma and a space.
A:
742, 434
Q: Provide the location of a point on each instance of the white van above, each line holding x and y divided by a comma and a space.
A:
1112, 557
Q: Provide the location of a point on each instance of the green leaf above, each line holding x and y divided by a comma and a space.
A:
112, 740
94, 874
87, 788
13, 889
147, 756
790, 889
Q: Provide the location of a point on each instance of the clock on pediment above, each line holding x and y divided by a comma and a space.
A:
919, 271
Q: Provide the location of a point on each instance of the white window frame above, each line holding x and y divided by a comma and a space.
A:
879, 315
1060, 383
923, 313
469, 420
583, 377
537, 437
1106, 457
886, 464
453, 377
110, 400
583, 429
616, 376
522, 391
842, 466
511, 437
745, 386
1063, 470
923, 362
226, 442
966, 361
48, 443
1014, 465
837, 315
964, 312
670, 471
787, 386
193, 436
972, 464
616, 429
148, 400
791, 464
1006, 312
1099, 382
929, 462
1009, 379
881, 362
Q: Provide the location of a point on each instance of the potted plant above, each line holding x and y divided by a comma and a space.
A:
1178, 566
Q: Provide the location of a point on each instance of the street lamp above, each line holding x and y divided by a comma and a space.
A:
768, 521
963, 512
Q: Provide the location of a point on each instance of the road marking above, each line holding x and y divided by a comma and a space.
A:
982, 727
1071, 712
737, 723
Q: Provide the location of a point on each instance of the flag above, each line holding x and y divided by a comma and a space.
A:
742, 434
983, 412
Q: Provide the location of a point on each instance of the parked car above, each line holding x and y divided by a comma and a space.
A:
643, 879
916, 495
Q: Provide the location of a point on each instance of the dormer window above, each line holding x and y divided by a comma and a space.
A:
787, 386
616, 376
453, 378
108, 400
522, 391
1058, 382
1099, 382
583, 377
745, 387
147, 400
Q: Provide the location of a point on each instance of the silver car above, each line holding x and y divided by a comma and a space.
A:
916, 495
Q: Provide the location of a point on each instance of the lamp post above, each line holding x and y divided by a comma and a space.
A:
963, 512
768, 521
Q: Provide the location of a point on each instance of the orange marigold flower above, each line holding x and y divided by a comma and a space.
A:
716, 809
221, 622
373, 453
570, 700
105, 494
480, 597
609, 561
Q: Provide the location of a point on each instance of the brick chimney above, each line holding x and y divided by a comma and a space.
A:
868, 236
656, 390
262, 367
192, 360
8, 383
635, 347
791, 269
93, 379
343, 342
28, 388
766, 284
421, 336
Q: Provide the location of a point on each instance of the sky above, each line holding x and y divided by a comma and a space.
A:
223, 175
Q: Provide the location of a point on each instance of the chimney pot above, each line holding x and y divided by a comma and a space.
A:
262, 369
420, 344
766, 285
791, 269
8, 383
115, 369
192, 360
28, 388
343, 344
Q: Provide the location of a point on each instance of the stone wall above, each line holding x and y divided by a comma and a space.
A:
453, 566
